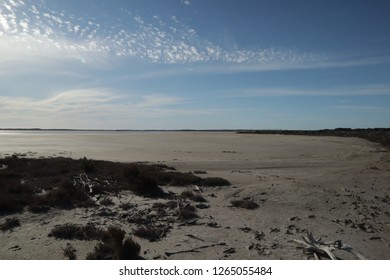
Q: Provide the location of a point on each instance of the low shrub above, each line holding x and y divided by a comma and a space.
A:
187, 212
10, 203
86, 165
126, 206
115, 246
72, 231
14, 195
193, 196
151, 233
178, 178
247, 204
67, 196
200, 172
106, 201
141, 183
9, 224
70, 252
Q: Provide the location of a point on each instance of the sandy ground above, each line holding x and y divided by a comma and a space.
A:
336, 188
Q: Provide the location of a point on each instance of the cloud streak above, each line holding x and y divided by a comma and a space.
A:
85, 106
365, 90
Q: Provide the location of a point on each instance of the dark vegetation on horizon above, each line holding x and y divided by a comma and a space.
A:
377, 135
64, 183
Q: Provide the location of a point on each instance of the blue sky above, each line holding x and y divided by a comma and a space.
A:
198, 64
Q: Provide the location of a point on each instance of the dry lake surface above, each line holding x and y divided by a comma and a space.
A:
336, 188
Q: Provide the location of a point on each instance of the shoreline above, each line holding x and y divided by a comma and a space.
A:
376, 135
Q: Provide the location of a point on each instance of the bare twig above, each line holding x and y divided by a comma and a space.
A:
195, 249
195, 237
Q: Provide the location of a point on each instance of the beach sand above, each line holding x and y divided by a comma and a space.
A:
337, 188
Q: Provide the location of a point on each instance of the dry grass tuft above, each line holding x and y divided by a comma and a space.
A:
70, 252
107, 201
151, 233
142, 183
247, 204
9, 224
193, 196
72, 231
215, 182
115, 246
187, 212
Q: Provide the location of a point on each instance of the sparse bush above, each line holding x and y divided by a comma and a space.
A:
199, 172
115, 246
67, 196
126, 206
141, 183
151, 233
247, 204
70, 252
164, 167
14, 196
72, 231
86, 165
44, 183
9, 224
187, 212
10, 203
38, 207
106, 201
178, 178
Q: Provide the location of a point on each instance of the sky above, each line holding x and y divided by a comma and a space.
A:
194, 64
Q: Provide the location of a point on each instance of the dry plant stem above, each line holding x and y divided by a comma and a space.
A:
195, 237
317, 247
195, 249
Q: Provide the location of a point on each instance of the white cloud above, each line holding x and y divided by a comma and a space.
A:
174, 19
4, 23
31, 31
160, 42
185, 2
138, 19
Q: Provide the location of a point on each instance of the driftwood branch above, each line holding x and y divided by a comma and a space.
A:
316, 247
195, 249
195, 237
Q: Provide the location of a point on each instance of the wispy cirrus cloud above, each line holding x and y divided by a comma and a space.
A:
336, 91
360, 108
30, 29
